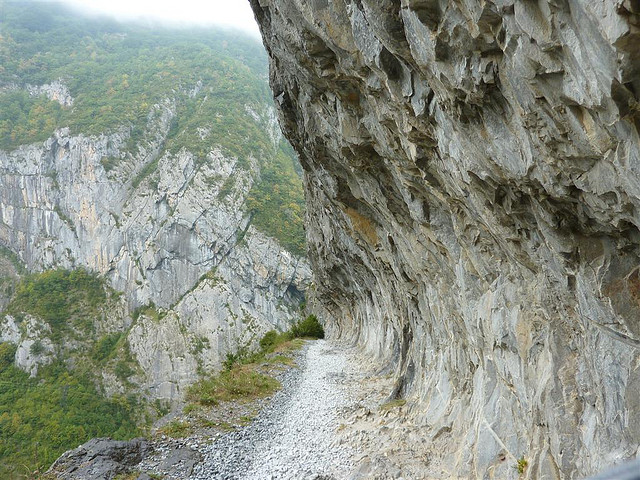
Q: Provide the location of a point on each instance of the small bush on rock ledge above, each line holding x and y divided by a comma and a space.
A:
309, 327
269, 340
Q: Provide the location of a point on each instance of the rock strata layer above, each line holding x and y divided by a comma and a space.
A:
473, 188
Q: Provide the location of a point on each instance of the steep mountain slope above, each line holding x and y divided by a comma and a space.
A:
151, 158
473, 194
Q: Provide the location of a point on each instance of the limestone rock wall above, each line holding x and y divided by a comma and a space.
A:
179, 237
473, 188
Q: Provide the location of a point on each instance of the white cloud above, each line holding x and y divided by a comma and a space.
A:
233, 13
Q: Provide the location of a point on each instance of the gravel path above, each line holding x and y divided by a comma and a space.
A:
294, 436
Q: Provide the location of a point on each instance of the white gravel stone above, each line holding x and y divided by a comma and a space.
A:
295, 436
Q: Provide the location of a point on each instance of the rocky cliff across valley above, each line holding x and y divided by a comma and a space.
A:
473, 188
169, 230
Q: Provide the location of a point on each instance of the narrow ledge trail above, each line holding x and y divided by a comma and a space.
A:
332, 420
294, 436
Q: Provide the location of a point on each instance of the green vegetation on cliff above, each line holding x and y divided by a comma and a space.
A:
119, 76
42, 417
62, 406
67, 300
277, 202
114, 72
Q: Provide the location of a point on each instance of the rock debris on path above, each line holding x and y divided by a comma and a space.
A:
332, 420
294, 437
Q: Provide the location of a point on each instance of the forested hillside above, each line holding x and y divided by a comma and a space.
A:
113, 74
44, 414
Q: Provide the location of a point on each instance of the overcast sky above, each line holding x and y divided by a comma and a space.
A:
234, 13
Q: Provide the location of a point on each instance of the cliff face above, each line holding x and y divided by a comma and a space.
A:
473, 185
177, 235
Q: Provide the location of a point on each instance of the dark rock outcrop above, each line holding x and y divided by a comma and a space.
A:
473, 187
100, 459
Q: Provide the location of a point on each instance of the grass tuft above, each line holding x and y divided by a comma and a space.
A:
385, 407
241, 382
176, 429
281, 360
290, 345
521, 465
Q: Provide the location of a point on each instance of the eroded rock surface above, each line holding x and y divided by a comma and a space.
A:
473, 185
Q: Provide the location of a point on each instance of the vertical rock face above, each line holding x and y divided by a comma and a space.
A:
473, 185
179, 237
